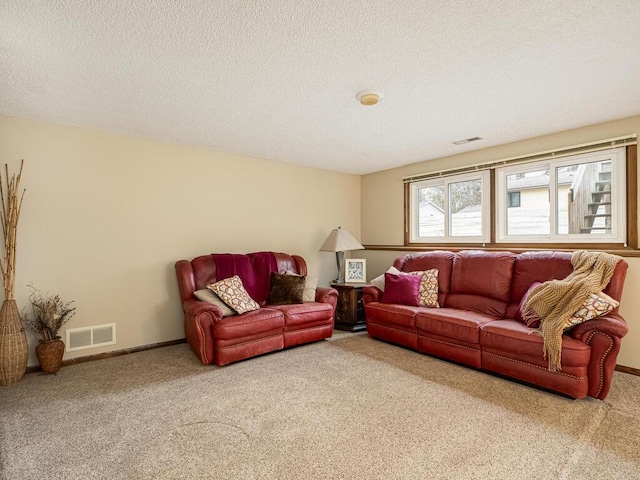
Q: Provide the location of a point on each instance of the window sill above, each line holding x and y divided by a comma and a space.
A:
615, 249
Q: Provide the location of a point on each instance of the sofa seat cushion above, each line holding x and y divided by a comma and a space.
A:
512, 339
452, 323
396, 316
477, 303
305, 314
256, 322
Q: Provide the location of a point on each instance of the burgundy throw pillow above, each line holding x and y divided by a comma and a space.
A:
532, 324
401, 289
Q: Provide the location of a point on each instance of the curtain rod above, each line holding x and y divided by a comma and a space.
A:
631, 139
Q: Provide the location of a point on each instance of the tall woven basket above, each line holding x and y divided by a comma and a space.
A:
14, 351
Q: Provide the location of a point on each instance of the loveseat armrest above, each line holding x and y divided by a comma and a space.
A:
371, 294
195, 307
327, 295
199, 318
603, 335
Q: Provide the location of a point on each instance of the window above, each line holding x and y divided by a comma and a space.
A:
450, 209
582, 196
578, 198
513, 199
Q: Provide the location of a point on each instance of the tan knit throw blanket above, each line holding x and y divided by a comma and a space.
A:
556, 301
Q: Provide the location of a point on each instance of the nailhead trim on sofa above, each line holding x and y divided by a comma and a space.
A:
559, 372
203, 351
602, 359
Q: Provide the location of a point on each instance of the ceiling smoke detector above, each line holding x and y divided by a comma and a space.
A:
369, 97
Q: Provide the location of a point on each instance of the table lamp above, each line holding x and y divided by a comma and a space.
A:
340, 241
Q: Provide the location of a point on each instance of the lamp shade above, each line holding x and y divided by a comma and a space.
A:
340, 240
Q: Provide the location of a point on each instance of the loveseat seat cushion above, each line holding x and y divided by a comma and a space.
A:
452, 323
257, 322
305, 314
515, 340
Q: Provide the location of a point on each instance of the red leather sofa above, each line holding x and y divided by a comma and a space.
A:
479, 293
222, 340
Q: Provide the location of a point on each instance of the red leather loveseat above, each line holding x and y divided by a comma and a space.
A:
479, 295
222, 340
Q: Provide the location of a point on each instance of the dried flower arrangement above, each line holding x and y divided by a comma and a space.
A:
48, 314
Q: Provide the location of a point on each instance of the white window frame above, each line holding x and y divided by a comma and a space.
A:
618, 234
445, 181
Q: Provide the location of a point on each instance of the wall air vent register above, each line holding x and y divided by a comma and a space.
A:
90, 337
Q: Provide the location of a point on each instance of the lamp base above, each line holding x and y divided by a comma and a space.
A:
340, 263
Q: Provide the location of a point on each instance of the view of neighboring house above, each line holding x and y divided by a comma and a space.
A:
528, 204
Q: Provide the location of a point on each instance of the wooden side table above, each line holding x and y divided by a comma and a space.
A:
349, 310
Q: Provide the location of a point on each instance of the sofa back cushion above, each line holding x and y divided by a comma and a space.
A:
481, 282
423, 261
487, 274
533, 267
614, 289
201, 271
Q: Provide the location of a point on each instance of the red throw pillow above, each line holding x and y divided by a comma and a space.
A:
401, 289
532, 324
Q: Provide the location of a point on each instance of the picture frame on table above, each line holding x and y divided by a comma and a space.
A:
355, 270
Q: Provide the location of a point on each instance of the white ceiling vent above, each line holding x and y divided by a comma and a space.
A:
90, 337
467, 140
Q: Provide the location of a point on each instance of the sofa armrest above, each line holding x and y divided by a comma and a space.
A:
327, 295
603, 335
371, 294
199, 318
613, 324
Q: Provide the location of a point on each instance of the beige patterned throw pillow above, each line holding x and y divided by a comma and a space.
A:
428, 287
596, 305
232, 292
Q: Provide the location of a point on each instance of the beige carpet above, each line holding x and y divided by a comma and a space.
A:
348, 408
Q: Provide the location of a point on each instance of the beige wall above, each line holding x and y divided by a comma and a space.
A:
105, 217
382, 209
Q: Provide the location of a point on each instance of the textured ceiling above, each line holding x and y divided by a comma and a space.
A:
277, 79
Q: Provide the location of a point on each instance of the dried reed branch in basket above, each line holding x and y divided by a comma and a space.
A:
11, 206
